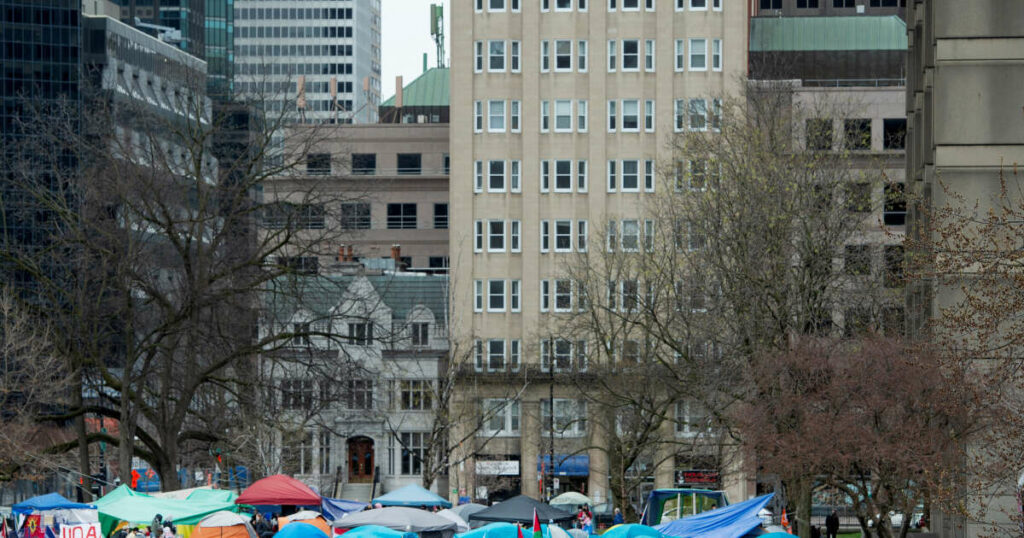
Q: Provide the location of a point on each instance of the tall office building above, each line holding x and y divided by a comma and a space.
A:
320, 59
187, 17
219, 47
559, 111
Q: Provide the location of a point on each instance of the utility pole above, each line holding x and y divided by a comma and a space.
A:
551, 414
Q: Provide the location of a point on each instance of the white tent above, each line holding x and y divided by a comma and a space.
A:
398, 518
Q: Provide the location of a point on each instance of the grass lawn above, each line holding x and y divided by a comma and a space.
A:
849, 534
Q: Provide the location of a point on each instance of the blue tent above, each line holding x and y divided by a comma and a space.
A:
412, 495
299, 529
731, 521
503, 530
689, 501
377, 531
333, 509
632, 530
50, 501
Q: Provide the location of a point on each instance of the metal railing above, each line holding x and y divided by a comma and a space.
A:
421, 171
853, 82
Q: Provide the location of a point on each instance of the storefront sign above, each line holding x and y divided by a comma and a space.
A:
498, 468
695, 477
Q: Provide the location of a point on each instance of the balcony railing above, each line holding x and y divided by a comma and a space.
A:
421, 171
853, 82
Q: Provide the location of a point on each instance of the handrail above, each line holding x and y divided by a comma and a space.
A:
853, 82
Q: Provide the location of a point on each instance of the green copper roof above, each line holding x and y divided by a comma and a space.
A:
429, 89
770, 34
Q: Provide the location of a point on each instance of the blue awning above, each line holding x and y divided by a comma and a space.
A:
566, 465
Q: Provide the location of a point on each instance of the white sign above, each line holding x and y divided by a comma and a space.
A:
499, 468
85, 530
554, 482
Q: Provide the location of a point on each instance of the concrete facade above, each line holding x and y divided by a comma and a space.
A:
518, 92
964, 74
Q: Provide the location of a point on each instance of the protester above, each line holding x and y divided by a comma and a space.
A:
617, 519
832, 525
586, 519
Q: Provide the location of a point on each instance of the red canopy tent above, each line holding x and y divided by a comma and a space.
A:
278, 489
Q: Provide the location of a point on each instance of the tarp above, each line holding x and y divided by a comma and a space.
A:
50, 501
300, 530
376, 531
224, 524
398, 518
278, 489
520, 509
632, 530
334, 509
412, 495
448, 514
468, 509
213, 495
571, 498
123, 504
510, 530
694, 501
731, 521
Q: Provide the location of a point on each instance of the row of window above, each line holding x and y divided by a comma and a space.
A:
496, 235
624, 115
815, 4
558, 175
357, 394
292, 32
501, 417
274, 68
856, 134
354, 216
626, 55
295, 14
497, 6
293, 50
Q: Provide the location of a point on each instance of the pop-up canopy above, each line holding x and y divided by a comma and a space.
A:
50, 501
124, 504
520, 509
278, 489
412, 495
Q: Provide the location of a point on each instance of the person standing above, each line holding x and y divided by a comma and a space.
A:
832, 525
617, 519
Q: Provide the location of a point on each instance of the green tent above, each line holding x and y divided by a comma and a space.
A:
213, 495
123, 504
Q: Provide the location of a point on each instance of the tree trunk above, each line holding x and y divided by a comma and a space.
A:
803, 508
85, 491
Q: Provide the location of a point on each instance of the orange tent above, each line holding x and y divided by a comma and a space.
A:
224, 524
306, 516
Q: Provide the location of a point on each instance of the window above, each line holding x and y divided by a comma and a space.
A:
478, 236
401, 216
514, 234
364, 163
716, 5
698, 54
630, 55
296, 394
716, 114
893, 266
410, 163
495, 236
413, 449
563, 236
895, 211
680, 55
630, 235
843, 3
495, 5
819, 134
611, 116
359, 394
318, 164
856, 320
613, 227
581, 176
581, 56
716, 54
698, 111
698, 174
629, 351
649, 116
857, 133
630, 115
514, 183
545, 295
581, 116
495, 116
680, 115
438, 262
495, 56
804, 4
563, 55
414, 394
545, 56
545, 235
563, 5
301, 334
696, 239
478, 116
857, 260
513, 116
649, 55
420, 334
894, 133
698, 5
563, 176
496, 295
612, 176
355, 216
563, 116
360, 333
545, 176
478, 177
303, 216
545, 115
500, 417
612, 55
563, 290
478, 58
858, 197
478, 295
772, 4
630, 5
495, 355
691, 419
514, 56
515, 295
569, 419
630, 176
496, 176
649, 235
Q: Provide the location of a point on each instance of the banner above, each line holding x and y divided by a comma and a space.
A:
33, 527
84, 530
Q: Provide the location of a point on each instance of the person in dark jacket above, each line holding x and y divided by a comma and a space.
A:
832, 525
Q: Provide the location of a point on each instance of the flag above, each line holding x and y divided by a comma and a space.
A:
785, 520
33, 527
519, 531
536, 525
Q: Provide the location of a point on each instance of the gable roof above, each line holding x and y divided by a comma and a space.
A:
319, 294
773, 34
429, 89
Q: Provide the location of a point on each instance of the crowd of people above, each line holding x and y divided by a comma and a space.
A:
160, 527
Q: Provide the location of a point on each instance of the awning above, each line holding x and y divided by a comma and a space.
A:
566, 465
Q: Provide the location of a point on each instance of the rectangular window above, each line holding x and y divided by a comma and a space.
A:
563, 55
857, 134
513, 116
649, 176
630, 55
515, 185
500, 417
717, 4
563, 236
514, 56
716, 54
355, 216
419, 334
563, 116
412, 454
698, 111
819, 134
545, 295
611, 115
698, 174
698, 55
515, 295
360, 334
495, 116
401, 216
545, 176
612, 176
545, 235
649, 235
360, 394
649, 116
495, 355
478, 295
858, 197
630, 115
581, 176
630, 235
495, 236
680, 55
410, 163
581, 56
496, 295
894, 212
698, 5
630, 176
440, 216
563, 176
691, 419
478, 236
414, 394
478, 176
478, 57
514, 234
545, 56
563, 295
513, 355
581, 116
495, 5
894, 133
364, 164
613, 227
649, 55
680, 115
857, 260
716, 114
612, 55
496, 176
478, 116
496, 56
545, 116
570, 416
581, 235
563, 5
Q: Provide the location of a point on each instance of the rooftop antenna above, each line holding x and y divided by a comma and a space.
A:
437, 30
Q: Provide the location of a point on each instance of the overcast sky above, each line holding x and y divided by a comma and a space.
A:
405, 37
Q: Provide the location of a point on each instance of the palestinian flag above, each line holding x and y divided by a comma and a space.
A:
537, 533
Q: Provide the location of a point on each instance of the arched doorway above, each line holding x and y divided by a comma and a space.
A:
360, 459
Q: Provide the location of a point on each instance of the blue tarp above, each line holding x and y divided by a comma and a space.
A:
699, 500
632, 530
334, 509
731, 521
299, 529
503, 530
376, 531
566, 465
50, 501
412, 495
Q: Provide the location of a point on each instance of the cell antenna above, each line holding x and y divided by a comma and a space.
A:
437, 30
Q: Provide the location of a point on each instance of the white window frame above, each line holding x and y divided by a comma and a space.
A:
649, 179
504, 409
680, 55
581, 56
515, 116
545, 295
515, 64
629, 9
545, 176
491, 117
613, 181
690, 113
648, 237
491, 294
578, 418
478, 296
581, 116
639, 54
705, 8
492, 235
515, 243
622, 226
582, 179
716, 54
567, 104
514, 354
716, 5
500, 10
478, 176
680, 115
649, 116
478, 236
704, 55
491, 347
715, 115
490, 174
515, 295
555, 293
478, 116
545, 6
637, 115
545, 116
611, 237
612, 115
515, 182
478, 56
567, 236
581, 236
564, 9
515, 6
649, 5
611, 5
612, 55
555, 187
491, 56
556, 54
636, 176
545, 56
649, 51
545, 236
478, 6
680, 5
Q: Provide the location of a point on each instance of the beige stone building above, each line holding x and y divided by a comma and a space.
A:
560, 111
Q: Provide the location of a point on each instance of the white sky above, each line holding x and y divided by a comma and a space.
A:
405, 36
